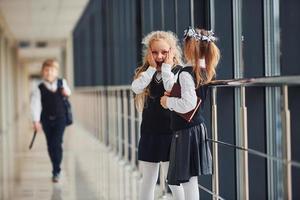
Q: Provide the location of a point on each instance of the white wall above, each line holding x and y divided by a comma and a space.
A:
13, 108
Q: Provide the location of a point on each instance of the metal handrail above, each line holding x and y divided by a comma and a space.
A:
258, 153
210, 192
239, 84
101, 88
272, 81
260, 81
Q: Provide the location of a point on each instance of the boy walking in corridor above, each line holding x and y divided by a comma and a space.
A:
49, 112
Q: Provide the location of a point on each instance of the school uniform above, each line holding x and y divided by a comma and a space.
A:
190, 153
48, 108
156, 134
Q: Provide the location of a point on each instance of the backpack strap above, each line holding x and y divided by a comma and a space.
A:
59, 83
60, 87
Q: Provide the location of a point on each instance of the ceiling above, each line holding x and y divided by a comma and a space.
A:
50, 21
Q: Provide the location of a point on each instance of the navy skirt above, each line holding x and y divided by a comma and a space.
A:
190, 155
154, 148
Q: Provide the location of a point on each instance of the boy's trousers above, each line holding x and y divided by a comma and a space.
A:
54, 128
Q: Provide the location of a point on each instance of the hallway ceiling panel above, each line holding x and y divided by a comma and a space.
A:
41, 19
48, 22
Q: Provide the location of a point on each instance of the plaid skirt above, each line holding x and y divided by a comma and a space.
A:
190, 155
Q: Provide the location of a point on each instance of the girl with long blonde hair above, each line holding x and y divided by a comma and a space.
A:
160, 51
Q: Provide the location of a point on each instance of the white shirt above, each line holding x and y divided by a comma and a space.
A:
139, 84
188, 100
36, 99
169, 78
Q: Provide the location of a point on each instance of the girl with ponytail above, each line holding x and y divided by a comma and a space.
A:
190, 155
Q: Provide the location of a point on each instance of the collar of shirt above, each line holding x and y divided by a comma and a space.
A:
51, 86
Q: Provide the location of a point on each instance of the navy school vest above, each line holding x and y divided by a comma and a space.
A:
52, 103
155, 119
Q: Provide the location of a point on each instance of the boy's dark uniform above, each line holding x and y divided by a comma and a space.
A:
54, 122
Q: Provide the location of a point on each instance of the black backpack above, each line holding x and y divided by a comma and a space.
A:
67, 104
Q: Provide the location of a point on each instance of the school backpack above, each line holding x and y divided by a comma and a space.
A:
67, 104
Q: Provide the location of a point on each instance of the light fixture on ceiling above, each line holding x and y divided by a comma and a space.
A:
41, 44
24, 44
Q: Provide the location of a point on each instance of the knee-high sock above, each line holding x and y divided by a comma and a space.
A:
191, 190
177, 191
149, 179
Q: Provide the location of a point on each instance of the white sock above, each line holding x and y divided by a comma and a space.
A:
149, 178
177, 191
191, 190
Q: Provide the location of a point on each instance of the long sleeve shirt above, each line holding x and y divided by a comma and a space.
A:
139, 84
188, 99
169, 78
36, 99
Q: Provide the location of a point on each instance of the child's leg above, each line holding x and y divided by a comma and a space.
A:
47, 128
191, 190
56, 145
149, 179
177, 191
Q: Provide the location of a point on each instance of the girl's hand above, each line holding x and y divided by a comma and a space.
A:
170, 57
163, 102
150, 59
37, 126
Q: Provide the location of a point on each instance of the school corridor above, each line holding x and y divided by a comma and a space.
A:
252, 110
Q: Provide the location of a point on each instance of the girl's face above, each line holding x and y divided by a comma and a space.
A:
49, 74
159, 50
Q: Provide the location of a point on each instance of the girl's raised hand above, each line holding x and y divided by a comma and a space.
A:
170, 57
150, 59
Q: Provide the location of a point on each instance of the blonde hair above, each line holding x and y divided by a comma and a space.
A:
195, 49
50, 63
172, 40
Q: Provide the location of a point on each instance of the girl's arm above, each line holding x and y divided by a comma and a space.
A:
168, 77
188, 99
139, 84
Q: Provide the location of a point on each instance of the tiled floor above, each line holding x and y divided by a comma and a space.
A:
87, 172
34, 179
80, 161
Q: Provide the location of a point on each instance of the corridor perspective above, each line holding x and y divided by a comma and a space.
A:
252, 110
